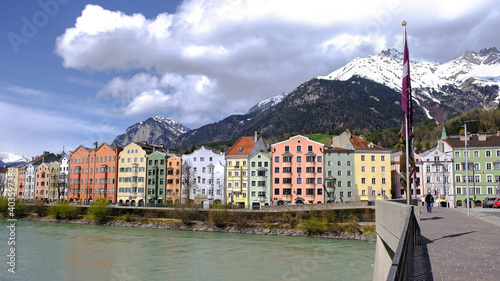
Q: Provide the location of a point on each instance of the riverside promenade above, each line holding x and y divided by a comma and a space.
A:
462, 247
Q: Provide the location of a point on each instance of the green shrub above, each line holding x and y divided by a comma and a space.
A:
63, 211
99, 211
18, 208
314, 225
218, 218
185, 215
39, 208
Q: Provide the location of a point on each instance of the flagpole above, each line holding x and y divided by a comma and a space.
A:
407, 137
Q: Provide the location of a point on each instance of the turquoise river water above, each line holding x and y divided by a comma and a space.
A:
51, 251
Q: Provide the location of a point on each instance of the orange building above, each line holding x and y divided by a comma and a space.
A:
93, 173
297, 173
21, 181
173, 180
103, 180
79, 175
42, 178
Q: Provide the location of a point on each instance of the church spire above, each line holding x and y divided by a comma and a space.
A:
443, 133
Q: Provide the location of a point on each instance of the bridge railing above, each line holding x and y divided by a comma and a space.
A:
402, 262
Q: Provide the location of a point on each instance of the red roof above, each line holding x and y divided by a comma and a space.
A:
338, 149
242, 147
361, 144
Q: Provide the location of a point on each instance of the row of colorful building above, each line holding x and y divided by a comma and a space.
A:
251, 174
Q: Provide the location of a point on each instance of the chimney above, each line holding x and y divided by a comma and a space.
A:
481, 137
114, 144
95, 145
256, 136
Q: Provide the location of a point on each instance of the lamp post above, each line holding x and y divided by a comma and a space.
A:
467, 166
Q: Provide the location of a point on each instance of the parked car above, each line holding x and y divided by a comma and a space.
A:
488, 202
496, 203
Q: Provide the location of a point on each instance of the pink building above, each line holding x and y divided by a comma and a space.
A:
297, 172
417, 186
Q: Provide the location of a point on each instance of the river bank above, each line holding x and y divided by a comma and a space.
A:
206, 227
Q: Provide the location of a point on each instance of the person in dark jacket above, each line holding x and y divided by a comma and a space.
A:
429, 199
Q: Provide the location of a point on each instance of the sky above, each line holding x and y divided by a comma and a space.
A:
76, 72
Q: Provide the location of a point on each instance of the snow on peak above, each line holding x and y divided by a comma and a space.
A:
7, 157
387, 68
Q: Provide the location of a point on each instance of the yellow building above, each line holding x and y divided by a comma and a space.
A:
237, 169
131, 175
54, 182
372, 167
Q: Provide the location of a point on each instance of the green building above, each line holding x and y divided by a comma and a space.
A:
483, 165
156, 178
259, 180
339, 175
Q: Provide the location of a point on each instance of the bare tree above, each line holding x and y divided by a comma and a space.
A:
188, 180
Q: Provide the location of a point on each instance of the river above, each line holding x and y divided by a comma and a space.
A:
51, 251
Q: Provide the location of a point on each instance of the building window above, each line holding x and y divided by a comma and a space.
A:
362, 158
276, 191
299, 148
363, 180
299, 191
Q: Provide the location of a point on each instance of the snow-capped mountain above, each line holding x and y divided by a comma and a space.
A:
268, 102
467, 82
9, 159
155, 130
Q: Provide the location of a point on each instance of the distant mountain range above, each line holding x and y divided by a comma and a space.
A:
155, 130
10, 159
365, 93
445, 90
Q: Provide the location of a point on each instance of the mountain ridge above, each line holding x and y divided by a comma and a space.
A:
364, 92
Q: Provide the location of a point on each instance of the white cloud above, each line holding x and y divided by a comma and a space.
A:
240, 52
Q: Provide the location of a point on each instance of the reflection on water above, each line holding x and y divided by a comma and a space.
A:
49, 251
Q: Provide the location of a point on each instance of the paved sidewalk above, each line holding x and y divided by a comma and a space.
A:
462, 247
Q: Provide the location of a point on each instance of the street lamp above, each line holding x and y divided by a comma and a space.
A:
467, 165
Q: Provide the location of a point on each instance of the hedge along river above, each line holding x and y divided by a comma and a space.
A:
51, 251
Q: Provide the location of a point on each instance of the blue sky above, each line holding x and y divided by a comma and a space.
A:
75, 72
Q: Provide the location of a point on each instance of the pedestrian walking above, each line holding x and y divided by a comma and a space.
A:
429, 200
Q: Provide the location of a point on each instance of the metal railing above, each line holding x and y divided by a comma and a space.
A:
402, 262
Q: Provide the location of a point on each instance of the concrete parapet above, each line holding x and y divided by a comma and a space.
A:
390, 217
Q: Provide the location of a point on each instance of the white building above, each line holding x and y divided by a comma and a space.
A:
203, 176
64, 175
437, 175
